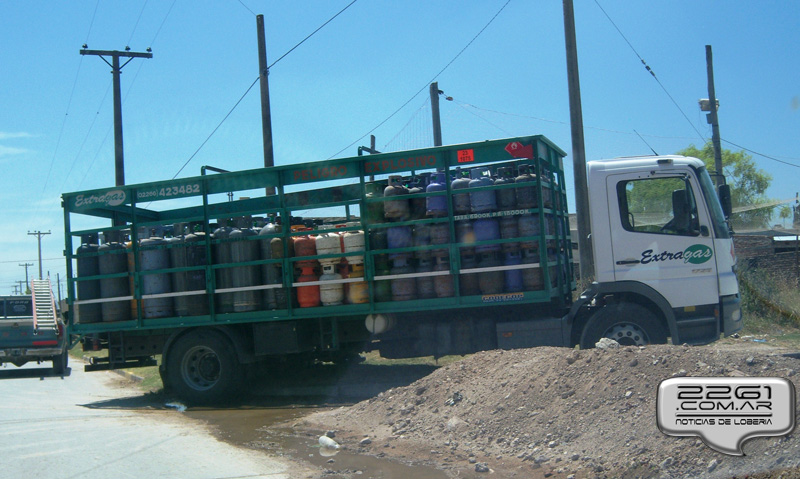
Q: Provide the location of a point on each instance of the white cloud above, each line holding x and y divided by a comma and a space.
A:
10, 150
5, 135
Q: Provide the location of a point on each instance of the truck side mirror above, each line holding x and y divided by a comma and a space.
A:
725, 200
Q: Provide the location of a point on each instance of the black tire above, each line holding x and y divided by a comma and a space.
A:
202, 368
629, 324
60, 363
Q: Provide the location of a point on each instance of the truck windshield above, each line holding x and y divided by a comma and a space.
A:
712, 200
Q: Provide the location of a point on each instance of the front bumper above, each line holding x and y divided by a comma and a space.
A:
731, 312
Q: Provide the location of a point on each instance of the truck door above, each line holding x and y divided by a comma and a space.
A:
661, 237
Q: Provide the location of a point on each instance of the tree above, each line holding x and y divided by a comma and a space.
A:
785, 212
748, 185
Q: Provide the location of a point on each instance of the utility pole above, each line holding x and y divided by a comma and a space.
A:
266, 116
26, 270
437, 121
20, 288
116, 69
712, 116
39, 235
578, 152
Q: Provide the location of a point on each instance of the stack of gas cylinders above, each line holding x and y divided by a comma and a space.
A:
499, 251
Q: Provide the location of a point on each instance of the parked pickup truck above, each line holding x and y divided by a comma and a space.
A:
30, 329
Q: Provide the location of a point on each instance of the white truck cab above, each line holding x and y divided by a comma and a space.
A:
664, 257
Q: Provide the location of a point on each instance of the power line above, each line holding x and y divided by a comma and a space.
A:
246, 7
652, 73
760, 154
217, 127
312, 34
427, 84
136, 25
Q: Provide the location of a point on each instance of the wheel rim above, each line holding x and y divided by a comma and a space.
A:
200, 368
627, 334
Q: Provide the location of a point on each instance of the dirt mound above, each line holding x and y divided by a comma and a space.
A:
552, 412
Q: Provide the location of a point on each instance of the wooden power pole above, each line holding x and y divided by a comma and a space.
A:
266, 116
116, 69
578, 151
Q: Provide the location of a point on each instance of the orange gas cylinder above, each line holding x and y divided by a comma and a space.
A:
308, 296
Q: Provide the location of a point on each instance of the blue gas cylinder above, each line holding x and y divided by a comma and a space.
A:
436, 206
486, 229
513, 277
461, 204
481, 201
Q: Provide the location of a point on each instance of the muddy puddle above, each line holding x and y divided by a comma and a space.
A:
254, 427
285, 398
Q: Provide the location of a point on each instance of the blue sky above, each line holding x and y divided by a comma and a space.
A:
56, 130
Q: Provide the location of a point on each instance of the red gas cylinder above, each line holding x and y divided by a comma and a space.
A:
308, 296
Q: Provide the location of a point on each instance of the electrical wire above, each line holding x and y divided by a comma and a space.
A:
246, 7
311, 34
217, 127
760, 154
136, 25
652, 73
427, 84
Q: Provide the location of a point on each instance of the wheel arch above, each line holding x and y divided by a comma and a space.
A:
600, 294
235, 336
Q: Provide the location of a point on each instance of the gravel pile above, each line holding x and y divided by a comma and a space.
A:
553, 412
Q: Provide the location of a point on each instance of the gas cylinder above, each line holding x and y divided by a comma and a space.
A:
399, 237
509, 229
532, 278
328, 242
304, 246
490, 282
331, 294
245, 250
481, 201
358, 292
506, 197
443, 284
547, 190
153, 255
528, 226
374, 210
403, 289
308, 296
422, 237
466, 236
354, 243
418, 205
396, 209
113, 260
486, 229
270, 273
190, 251
436, 206
383, 289
425, 284
513, 277
526, 194
88, 265
552, 261
275, 276
378, 239
461, 205
468, 281
224, 276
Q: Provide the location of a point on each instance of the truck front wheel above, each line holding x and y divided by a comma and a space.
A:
202, 368
629, 324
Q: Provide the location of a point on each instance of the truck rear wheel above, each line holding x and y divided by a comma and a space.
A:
629, 324
202, 368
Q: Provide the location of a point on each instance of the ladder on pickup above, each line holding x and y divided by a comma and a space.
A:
44, 305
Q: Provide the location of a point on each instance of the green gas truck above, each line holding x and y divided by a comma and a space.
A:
438, 251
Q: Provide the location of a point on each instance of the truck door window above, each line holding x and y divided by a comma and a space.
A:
658, 205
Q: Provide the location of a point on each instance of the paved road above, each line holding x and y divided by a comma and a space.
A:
88, 426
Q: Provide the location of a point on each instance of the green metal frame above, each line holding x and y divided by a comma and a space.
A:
121, 206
